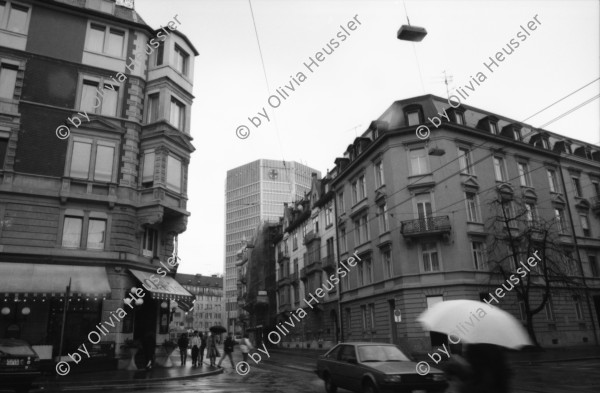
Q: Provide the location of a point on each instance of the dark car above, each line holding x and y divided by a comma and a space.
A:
18, 365
375, 368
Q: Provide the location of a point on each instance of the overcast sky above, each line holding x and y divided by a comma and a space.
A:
361, 79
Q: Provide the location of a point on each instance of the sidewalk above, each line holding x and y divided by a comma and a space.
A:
124, 377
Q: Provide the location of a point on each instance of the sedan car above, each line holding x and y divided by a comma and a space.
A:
375, 368
18, 365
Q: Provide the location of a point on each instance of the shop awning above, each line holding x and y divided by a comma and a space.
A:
162, 287
52, 280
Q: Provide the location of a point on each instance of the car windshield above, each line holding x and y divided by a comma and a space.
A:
380, 353
15, 348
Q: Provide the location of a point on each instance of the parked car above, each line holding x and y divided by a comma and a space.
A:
375, 368
18, 365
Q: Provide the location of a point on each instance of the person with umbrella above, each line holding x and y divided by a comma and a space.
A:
485, 329
211, 349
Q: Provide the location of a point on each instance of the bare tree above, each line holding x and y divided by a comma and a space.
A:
516, 234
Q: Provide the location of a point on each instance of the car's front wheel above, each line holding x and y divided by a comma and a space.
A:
329, 385
369, 387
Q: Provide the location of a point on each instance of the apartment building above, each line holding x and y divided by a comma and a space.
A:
422, 215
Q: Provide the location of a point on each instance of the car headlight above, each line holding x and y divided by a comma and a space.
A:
392, 378
438, 377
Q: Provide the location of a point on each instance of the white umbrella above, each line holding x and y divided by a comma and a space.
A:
475, 322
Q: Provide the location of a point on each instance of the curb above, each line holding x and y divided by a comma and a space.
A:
532, 362
60, 385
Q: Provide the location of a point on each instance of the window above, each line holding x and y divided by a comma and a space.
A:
577, 307
148, 170
361, 230
99, 96
464, 160
72, 232
593, 265
585, 225
328, 215
367, 268
295, 241
341, 202
361, 276
8, 80
418, 161
499, 170
174, 174
388, 269
384, 222
343, 247
359, 191
577, 186
517, 134
413, 117
106, 40
177, 118
494, 127
96, 234
549, 310
459, 117
92, 159
150, 242
530, 214
152, 108
363, 310
479, 255
429, 255
160, 54
596, 186
522, 310
13, 17
379, 179
315, 224
181, 60
559, 215
372, 316
552, 180
472, 207
3, 147
523, 174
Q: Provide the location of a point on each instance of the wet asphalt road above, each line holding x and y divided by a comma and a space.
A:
292, 374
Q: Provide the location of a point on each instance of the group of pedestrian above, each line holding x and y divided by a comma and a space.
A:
198, 343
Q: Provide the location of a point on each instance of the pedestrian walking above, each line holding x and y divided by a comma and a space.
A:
245, 346
195, 343
149, 346
211, 349
202, 346
228, 350
183, 343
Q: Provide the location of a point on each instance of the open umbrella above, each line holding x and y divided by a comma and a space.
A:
217, 329
475, 322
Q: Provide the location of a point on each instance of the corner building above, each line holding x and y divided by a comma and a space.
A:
415, 212
101, 208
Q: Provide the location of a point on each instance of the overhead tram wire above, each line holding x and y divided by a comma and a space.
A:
262, 60
570, 111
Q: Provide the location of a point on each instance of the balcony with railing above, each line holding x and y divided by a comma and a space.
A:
242, 277
285, 307
294, 277
283, 281
426, 226
311, 236
281, 255
328, 263
303, 274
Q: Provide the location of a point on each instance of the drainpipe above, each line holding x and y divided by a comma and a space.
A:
585, 288
337, 246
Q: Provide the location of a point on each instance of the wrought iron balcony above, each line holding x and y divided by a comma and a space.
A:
328, 263
281, 255
294, 277
283, 281
303, 274
285, 307
313, 267
425, 226
310, 236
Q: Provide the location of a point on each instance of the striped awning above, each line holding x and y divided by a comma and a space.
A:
162, 287
38, 279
